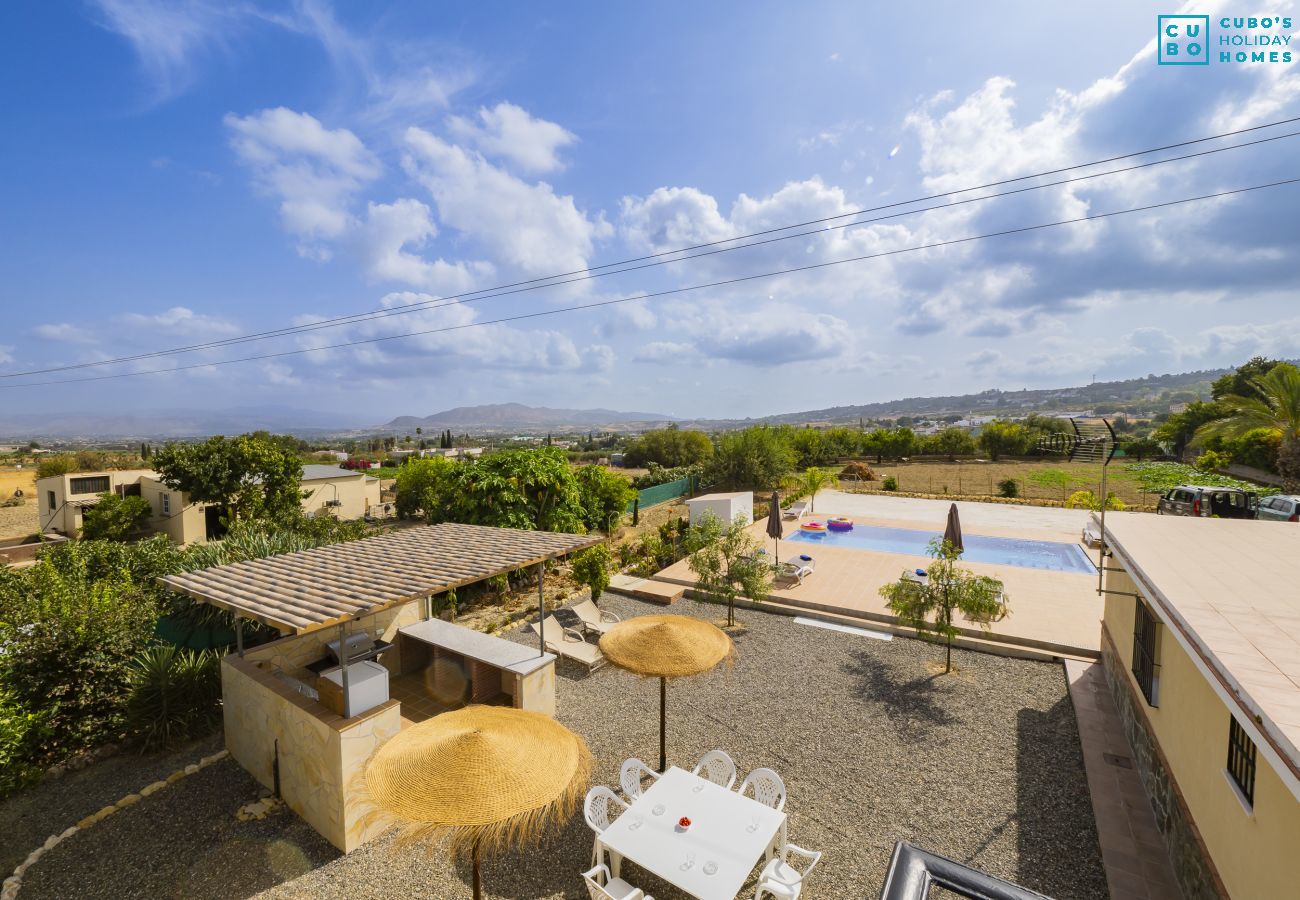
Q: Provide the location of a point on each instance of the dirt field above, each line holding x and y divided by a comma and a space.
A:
1035, 480
16, 521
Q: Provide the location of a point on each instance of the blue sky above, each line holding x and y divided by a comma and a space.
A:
188, 171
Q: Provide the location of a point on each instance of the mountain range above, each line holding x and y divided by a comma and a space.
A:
507, 416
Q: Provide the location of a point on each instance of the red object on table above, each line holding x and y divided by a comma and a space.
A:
684, 822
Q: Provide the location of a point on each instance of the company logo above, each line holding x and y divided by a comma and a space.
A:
1183, 40
1186, 41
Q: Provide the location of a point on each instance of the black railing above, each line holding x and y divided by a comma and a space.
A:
913, 872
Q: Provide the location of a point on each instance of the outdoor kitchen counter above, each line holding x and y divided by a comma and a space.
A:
463, 666
503, 654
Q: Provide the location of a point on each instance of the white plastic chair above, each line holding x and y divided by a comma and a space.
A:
601, 886
716, 766
629, 777
781, 878
767, 786
600, 809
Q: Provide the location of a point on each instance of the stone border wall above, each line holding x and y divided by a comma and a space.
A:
1197, 877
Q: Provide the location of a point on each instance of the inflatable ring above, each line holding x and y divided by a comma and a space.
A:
839, 523
813, 527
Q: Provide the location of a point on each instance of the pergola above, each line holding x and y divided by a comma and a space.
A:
302, 592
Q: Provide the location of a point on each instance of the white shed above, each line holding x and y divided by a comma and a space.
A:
725, 506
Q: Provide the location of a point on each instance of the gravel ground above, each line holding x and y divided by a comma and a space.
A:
983, 766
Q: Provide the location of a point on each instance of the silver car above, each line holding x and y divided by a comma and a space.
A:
1280, 508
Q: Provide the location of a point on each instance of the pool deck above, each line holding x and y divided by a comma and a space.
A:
1053, 611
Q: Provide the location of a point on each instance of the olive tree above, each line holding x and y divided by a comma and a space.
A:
930, 605
727, 564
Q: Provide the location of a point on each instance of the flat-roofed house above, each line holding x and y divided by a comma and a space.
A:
63, 499
1201, 644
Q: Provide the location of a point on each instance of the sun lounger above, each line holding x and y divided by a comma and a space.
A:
1091, 535
568, 643
594, 618
797, 569
796, 510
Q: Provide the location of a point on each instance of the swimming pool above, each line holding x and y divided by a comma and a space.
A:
979, 548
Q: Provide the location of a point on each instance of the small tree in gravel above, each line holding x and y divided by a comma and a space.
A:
727, 564
929, 605
591, 569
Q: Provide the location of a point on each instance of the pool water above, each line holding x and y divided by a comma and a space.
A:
1027, 554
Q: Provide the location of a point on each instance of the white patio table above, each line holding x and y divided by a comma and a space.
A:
713, 857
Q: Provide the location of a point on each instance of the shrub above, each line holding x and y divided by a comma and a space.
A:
726, 563
889, 484
591, 569
1008, 487
56, 465
1088, 500
174, 695
1213, 461
20, 729
115, 518
657, 474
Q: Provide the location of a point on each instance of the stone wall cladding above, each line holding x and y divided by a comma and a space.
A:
1192, 866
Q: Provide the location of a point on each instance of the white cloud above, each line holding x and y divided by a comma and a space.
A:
666, 352
528, 226
168, 36
312, 170
510, 132
391, 228
64, 332
182, 322
6, 354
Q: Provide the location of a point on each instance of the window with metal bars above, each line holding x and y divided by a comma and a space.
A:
1241, 760
1144, 652
93, 484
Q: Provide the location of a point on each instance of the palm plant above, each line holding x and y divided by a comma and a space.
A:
1276, 408
813, 480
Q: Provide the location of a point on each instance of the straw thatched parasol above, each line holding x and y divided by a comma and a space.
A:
482, 777
666, 647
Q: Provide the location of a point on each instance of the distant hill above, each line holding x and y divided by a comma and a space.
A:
506, 416
167, 423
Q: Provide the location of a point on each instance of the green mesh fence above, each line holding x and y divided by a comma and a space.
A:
661, 493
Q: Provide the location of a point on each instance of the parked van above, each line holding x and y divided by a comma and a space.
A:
1207, 501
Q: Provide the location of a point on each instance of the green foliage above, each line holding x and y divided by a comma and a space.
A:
251, 476
56, 465
21, 730
1051, 478
1273, 403
1000, 439
657, 474
812, 481
1159, 477
758, 457
1141, 448
949, 589
68, 627
115, 518
422, 488
727, 564
174, 695
605, 496
669, 447
890, 483
1259, 447
950, 442
1241, 381
1213, 461
1088, 500
1008, 487
890, 443
1180, 428
591, 569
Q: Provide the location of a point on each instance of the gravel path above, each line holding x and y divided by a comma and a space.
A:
983, 766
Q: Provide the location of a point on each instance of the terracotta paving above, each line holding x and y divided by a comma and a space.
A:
1132, 850
1054, 608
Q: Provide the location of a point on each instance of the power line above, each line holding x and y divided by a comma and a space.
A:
668, 292
660, 259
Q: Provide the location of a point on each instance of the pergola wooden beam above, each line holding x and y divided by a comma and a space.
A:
313, 589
